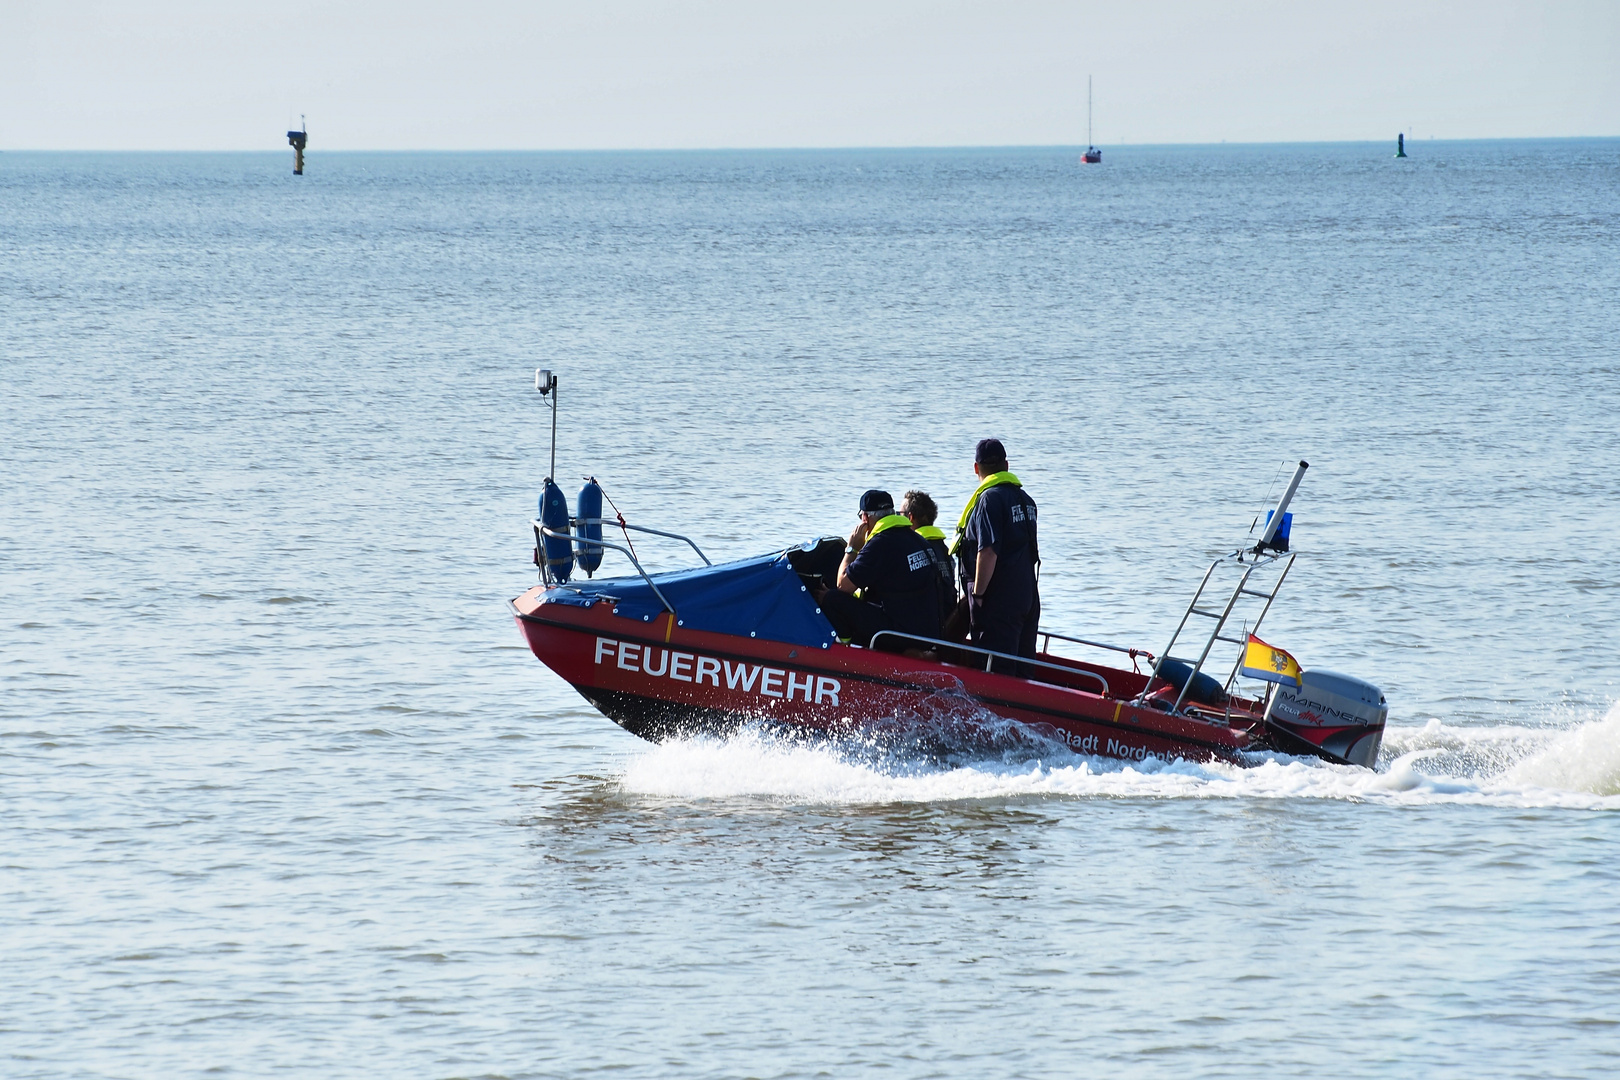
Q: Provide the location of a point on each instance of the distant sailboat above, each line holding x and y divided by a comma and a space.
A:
1092, 156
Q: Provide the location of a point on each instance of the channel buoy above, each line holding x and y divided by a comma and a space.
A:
1400, 145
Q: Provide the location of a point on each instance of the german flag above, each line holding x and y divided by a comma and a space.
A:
1262, 661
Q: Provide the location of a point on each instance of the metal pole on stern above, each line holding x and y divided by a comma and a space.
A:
1282, 507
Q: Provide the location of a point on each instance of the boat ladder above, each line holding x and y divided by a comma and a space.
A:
1247, 563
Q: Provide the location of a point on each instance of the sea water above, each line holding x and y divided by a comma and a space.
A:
285, 794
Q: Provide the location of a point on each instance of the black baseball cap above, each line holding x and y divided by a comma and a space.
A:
877, 502
989, 451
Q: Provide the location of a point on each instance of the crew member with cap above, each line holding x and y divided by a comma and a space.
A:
997, 551
894, 571
921, 509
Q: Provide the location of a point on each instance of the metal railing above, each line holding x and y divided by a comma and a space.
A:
616, 524
1133, 653
540, 530
990, 655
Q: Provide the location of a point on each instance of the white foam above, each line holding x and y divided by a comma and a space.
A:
1583, 758
1575, 767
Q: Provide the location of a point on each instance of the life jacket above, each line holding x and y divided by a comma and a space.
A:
892, 521
884, 524
993, 480
909, 592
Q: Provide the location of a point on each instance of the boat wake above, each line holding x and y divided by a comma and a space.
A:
1575, 767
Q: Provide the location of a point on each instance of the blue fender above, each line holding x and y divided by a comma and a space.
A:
554, 516
590, 527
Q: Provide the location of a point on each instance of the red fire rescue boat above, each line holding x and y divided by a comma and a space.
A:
717, 646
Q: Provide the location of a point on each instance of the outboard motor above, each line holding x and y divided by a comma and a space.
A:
559, 551
590, 526
1337, 717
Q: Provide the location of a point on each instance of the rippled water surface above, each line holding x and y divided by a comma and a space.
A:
285, 794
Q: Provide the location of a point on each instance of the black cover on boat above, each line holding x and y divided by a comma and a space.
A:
819, 560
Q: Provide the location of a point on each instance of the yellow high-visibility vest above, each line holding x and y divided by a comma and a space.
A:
993, 480
893, 521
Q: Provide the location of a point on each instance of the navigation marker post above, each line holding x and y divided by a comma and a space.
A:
298, 140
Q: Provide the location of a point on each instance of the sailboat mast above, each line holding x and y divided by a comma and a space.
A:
1092, 156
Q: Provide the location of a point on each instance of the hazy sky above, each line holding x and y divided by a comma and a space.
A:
372, 74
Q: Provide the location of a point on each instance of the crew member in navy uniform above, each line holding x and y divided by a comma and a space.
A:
923, 512
997, 552
894, 570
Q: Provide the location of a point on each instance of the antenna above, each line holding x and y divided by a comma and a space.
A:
1264, 498
1089, 140
546, 383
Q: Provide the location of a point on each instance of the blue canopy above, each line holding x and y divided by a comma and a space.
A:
761, 597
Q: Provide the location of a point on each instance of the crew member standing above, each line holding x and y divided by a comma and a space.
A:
997, 551
894, 571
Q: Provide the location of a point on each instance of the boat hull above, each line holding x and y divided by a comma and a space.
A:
658, 679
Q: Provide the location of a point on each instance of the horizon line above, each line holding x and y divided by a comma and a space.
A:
1063, 147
